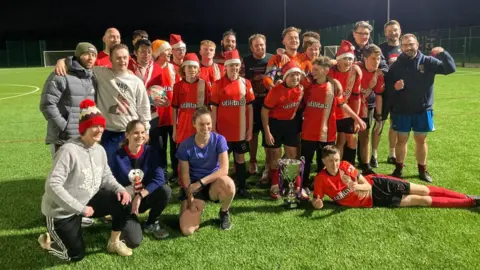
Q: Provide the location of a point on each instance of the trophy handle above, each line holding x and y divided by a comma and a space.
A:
302, 166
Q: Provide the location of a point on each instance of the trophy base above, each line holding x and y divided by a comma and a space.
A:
291, 205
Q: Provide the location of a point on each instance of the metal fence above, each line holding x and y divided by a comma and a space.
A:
463, 43
334, 35
27, 53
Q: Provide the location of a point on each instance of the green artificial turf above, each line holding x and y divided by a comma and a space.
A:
264, 235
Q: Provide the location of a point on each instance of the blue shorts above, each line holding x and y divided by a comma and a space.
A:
420, 122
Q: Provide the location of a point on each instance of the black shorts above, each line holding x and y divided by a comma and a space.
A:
346, 125
203, 194
240, 147
257, 105
388, 191
284, 132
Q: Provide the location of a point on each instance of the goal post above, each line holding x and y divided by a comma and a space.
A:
51, 57
331, 51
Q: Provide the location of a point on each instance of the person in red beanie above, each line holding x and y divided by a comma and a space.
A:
80, 183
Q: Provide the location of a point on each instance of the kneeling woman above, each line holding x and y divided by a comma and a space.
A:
137, 167
81, 184
345, 186
204, 172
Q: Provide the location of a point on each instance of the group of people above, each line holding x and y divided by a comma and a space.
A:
112, 114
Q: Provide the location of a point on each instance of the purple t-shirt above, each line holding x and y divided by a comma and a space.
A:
202, 161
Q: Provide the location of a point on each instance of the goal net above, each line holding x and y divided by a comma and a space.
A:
331, 51
51, 57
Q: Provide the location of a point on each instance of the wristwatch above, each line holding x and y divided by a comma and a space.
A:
140, 194
201, 183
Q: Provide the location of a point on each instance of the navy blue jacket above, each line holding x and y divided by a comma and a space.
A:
418, 75
148, 162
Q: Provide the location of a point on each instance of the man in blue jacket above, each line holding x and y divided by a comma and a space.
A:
412, 108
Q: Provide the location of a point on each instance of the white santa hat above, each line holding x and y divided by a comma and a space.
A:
176, 41
191, 59
345, 50
290, 68
232, 57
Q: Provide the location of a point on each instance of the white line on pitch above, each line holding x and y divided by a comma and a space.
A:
20, 85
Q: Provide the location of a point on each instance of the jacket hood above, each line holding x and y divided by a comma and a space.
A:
74, 66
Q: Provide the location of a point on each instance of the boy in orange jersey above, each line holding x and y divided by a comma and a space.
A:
188, 94
232, 114
345, 186
209, 70
278, 119
322, 103
350, 77
372, 81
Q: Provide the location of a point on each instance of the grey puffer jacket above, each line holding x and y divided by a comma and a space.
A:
60, 101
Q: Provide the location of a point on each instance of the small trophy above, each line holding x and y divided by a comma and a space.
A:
289, 170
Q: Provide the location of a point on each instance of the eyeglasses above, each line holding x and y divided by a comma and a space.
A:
362, 33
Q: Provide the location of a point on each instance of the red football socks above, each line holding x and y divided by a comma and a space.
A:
443, 192
444, 202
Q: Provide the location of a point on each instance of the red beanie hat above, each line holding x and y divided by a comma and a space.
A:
90, 115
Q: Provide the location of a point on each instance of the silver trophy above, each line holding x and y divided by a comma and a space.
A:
289, 170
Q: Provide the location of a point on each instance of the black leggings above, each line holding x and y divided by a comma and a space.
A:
156, 202
67, 233
308, 150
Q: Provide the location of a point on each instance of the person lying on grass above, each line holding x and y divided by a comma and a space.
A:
80, 183
341, 181
204, 174
136, 166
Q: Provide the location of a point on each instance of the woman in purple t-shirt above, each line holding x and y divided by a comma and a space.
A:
204, 176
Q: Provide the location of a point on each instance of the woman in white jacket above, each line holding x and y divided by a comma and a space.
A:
81, 184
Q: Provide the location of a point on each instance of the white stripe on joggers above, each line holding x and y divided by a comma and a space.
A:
62, 254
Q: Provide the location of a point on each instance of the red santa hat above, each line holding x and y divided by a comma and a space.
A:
291, 67
176, 41
191, 59
90, 115
345, 50
232, 57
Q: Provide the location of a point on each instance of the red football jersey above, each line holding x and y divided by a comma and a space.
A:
350, 82
319, 120
336, 186
283, 102
232, 99
187, 97
103, 60
169, 78
211, 73
371, 81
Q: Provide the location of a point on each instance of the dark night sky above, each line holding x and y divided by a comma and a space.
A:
207, 19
